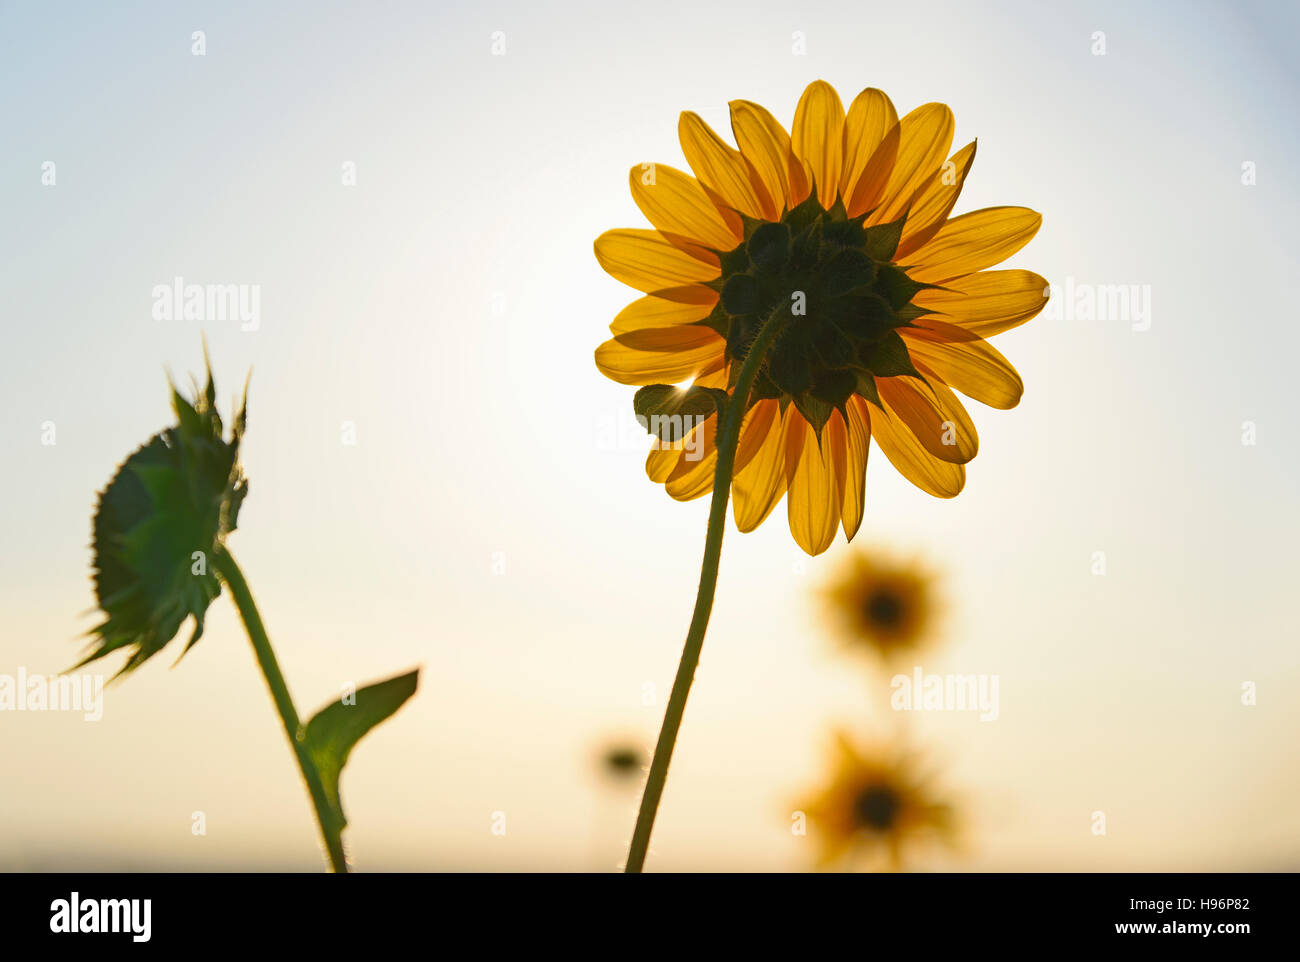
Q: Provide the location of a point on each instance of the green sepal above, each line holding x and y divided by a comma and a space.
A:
814, 410
909, 313
788, 364
882, 240
893, 284
663, 409
845, 233
805, 248
769, 248
734, 261
750, 224
336, 728
800, 216
718, 320
867, 386
835, 387
888, 357
741, 295
847, 271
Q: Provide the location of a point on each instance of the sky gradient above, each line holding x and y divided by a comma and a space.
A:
493, 523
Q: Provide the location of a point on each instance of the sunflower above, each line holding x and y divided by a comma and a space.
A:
875, 808
839, 234
883, 604
622, 761
163, 517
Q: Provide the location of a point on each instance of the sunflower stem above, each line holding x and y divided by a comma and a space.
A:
727, 440
331, 825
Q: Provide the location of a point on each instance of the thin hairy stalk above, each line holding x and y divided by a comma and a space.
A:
727, 439
331, 826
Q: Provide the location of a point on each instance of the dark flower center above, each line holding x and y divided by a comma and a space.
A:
876, 807
623, 761
884, 609
844, 298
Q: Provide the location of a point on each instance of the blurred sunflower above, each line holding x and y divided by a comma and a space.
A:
875, 808
842, 228
883, 604
622, 761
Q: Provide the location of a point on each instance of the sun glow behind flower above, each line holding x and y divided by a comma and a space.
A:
376, 312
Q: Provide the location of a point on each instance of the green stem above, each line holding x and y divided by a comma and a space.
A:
728, 438
331, 826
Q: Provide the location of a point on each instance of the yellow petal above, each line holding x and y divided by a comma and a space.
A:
692, 476
966, 361
855, 478
989, 302
760, 420
676, 204
721, 169
651, 311
870, 117
800, 180
933, 414
818, 138
664, 455
925, 135
874, 179
713, 374
644, 259
661, 460
816, 480
757, 489
973, 242
660, 355
935, 200
765, 144
939, 478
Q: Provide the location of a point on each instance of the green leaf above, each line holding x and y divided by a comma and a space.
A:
669, 413
337, 727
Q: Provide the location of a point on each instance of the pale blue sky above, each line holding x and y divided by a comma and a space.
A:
482, 181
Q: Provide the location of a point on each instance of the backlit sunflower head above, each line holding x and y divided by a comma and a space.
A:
883, 604
875, 809
844, 224
166, 511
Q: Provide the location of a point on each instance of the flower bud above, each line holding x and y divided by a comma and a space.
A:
159, 522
